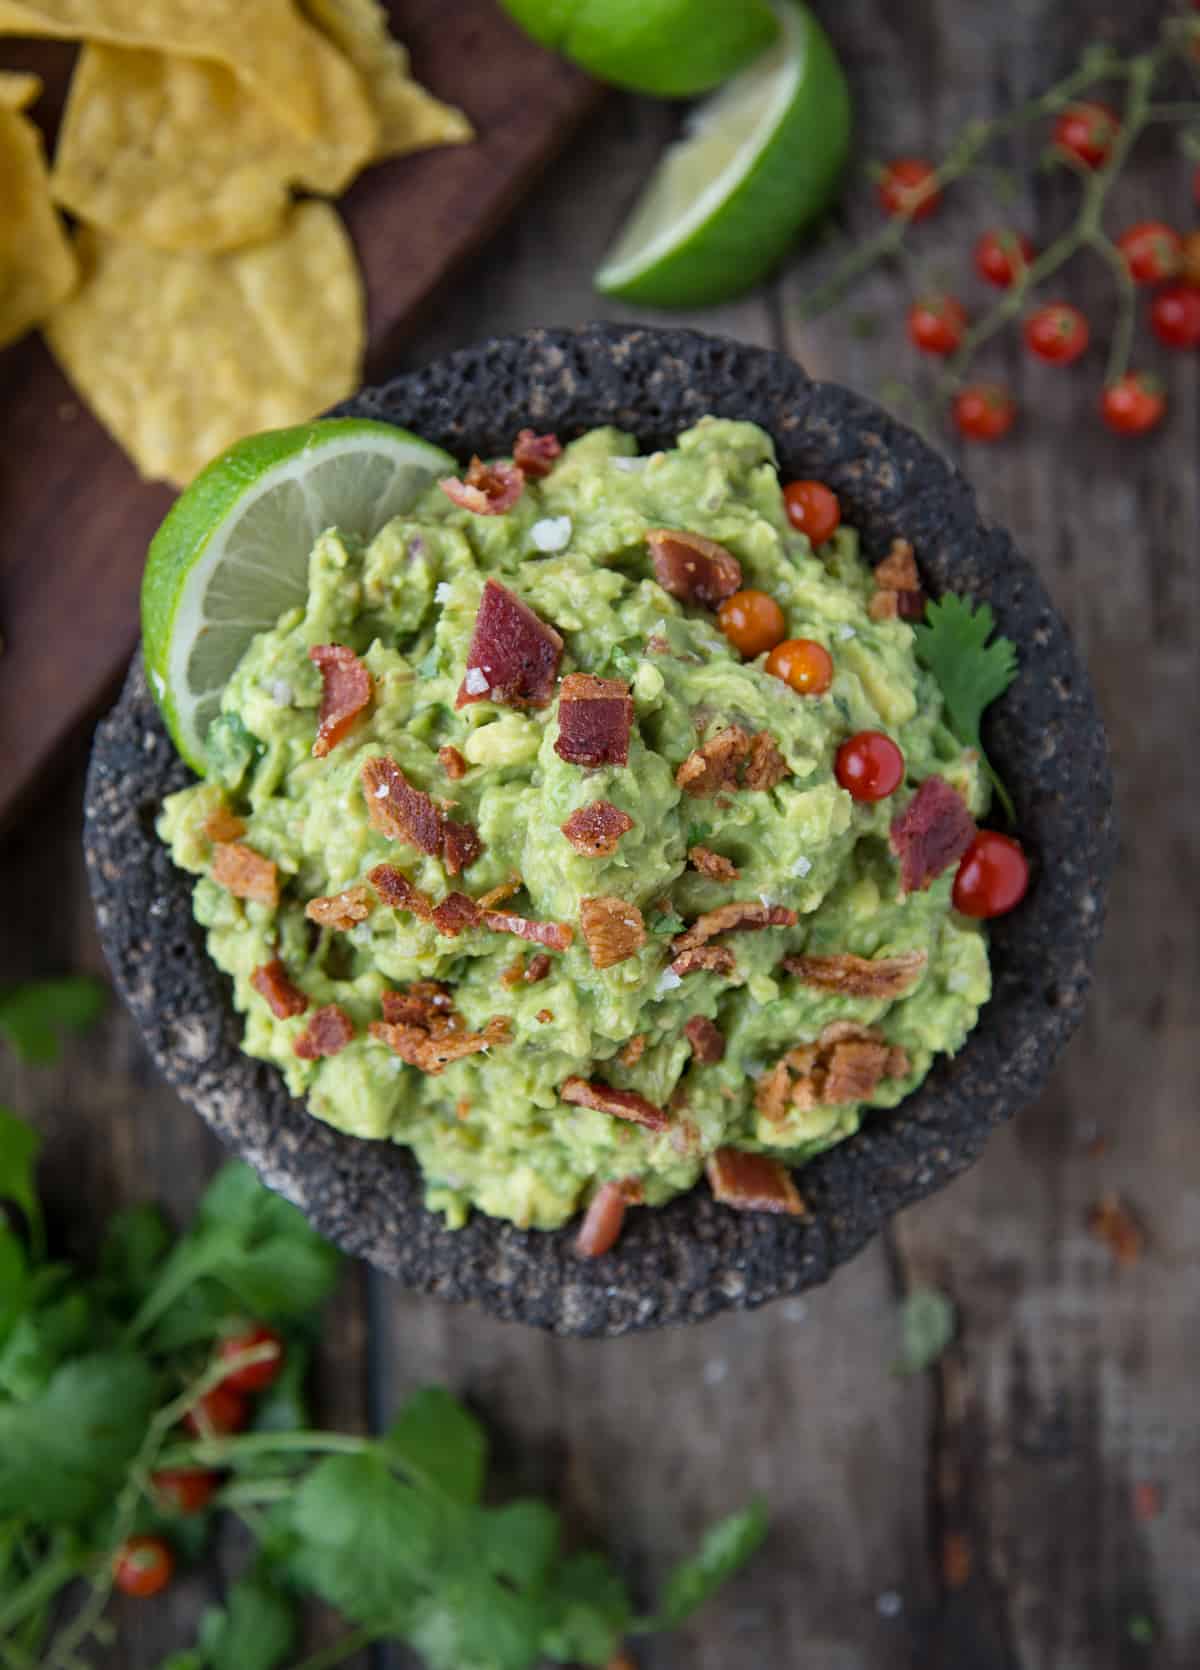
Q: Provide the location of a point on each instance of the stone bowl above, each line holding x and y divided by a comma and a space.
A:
693, 1257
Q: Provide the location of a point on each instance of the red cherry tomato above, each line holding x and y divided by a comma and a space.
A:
218, 1413
803, 664
906, 188
1001, 255
186, 1490
143, 1566
1152, 251
869, 766
936, 325
253, 1377
812, 509
1133, 404
752, 621
1086, 131
1175, 315
984, 411
1058, 333
992, 877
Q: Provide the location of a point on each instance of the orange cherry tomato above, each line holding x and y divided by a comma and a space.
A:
143, 1566
812, 509
752, 621
803, 664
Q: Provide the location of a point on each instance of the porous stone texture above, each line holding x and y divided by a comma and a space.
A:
693, 1257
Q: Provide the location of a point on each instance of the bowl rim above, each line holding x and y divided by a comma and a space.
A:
691, 1258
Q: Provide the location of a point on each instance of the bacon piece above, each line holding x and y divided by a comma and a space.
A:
851, 976
341, 910
395, 889
737, 917
753, 1183
707, 1040
488, 490
596, 829
222, 823
433, 1054
513, 656
403, 813
711, 959
537, 969
766, 766
558, 936
622, 1104
712, 768
713, 864
283, 996
453, 763
329, 1031
693, 568
931, 833
461, 846
456, 914
602, 1224
497, 895
544, 1016
613, 929
426, 1003
345, 692
245, 873
846, 1064
595, 720
634, 1050
898, 586
535, 454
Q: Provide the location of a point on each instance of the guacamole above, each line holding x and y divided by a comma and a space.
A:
635, 1023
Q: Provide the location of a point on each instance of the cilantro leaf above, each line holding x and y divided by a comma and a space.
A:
590, 1611
19, 1145
971, 672
440, 1443
32, 1014
256, 1629
479, 1625
135, 1244
41, 1340
928, 1321
520, 1540
667, 922
727, 1545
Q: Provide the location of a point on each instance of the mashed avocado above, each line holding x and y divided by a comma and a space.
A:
491, 1130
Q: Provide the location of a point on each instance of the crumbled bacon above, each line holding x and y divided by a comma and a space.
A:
544, 1016
704, 959
535, 454
634, 1050
557, 936
713, 864
406, 814
622, 1104
596, 829
846, 1064
716, 765
245, 873
341, 910
222, 823
753, 1183
739, 917
395, 889
345, 692
488, 489
693, 568
497, 895
602, 1224
283, 996
452, 762
613, 929
329, 1031
456, 914
932, 832
766, 766
851, 976
426, 1003
537, 969
513, 655
706, 1038
898, 586
422, 1027
595, 720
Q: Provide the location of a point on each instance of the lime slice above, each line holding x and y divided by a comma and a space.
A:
759, 161
233, 552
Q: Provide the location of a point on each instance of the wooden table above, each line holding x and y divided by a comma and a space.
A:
1073, 1381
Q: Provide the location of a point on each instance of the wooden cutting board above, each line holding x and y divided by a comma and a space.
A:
74, 517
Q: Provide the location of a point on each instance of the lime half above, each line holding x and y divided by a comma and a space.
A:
233, 552
759, 161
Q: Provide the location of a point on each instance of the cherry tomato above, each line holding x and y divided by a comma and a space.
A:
984, 411
1058, 333
187, 1490
804, 664
1152, 250
1001, 255
812, 509
752, 621
905, 188
869, 766
1175, 315
1086, 131
992, 877
1189, 260
254, 1377
936, 325
1133, 404
143, 1566
218, 1412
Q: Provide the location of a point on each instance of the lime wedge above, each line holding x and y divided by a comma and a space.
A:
232, 553
758, 161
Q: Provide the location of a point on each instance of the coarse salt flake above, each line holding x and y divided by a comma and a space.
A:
552, 533
381, 792
441, 591
476, 681
802, 866
281, 692
629, 464
668, 980
846, 632
958, 981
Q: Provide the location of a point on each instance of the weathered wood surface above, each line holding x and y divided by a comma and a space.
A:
1072, 1381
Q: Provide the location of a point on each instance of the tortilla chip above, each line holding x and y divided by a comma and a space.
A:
178, 153
179, 355
410, 119
37, 266
265, 42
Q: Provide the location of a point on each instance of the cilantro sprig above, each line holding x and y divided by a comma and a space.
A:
34, 1012
972, 673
